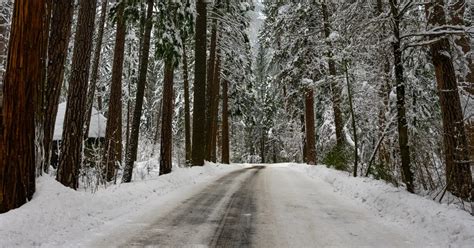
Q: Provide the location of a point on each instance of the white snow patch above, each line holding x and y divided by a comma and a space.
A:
96, 128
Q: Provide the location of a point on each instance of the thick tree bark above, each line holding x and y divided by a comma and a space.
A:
158, 122
199, 105
211, 65
61, 22
187, 112
401, 110
131, 156
72, 139
95, 67
214, 109
167, 120
456, 150
113, 133
309, 124
225, 123
25, 69
335, 89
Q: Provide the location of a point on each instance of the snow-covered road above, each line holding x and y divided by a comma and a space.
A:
263, 206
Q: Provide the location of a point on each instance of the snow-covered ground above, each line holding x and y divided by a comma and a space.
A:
58, 216
295, 205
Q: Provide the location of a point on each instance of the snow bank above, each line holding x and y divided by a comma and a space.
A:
453, 227
57, 216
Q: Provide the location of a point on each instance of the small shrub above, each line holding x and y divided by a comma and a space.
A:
338, 158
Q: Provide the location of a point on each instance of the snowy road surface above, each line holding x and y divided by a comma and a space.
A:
263, 206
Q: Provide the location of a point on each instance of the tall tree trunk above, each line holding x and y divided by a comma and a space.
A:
70, 159
225, 123
113, 133
199, 104
401, 110
158, 122
214, 108
167, 120
95, 67
131, 155
456, 150
211, 68
335, 89
61, 22
309, 124
25, 69
187, 117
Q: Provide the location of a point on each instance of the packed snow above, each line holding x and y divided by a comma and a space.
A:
449, 225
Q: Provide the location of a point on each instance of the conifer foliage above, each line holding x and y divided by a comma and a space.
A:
380, 89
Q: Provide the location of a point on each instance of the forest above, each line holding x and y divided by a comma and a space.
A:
94, 92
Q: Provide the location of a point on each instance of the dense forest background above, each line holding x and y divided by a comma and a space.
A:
380, 88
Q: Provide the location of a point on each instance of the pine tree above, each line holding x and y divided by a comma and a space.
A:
225, 123
456, 150
61, 22
132, 147
95, 66
17, 144
335, 89
113, 133
199, 104
309, 127
70, 159
400, 91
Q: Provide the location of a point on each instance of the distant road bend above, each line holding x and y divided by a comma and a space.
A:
266, 206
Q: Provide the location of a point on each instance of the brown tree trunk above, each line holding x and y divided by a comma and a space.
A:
214, 109
95, 67
187, 117
70, 159
225, 123
113, 133
5, 15
335, 89
25, 69
158, 122
210, 88
309, 124
62, 12
199, 105
456, 150
401, 110
131, 155
167, 120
